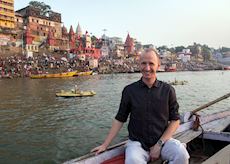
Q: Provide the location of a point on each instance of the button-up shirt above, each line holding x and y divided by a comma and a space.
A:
150, 110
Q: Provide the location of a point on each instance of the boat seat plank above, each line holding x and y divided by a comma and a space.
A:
187, 136
212, 126
219, 136
221, 157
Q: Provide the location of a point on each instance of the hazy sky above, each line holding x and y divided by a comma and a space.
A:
159, 22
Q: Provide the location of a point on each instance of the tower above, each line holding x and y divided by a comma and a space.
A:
129, 45
79, 31
72, 38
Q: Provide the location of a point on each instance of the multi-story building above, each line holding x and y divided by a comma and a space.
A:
40, 25
42, 29
6, 13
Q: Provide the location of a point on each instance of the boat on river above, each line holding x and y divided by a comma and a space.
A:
207, 138
226, 67
178, 82
72, 93
61, 75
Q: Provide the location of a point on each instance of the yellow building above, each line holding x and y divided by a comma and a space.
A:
6, 13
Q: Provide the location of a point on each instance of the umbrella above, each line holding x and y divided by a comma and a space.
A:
64, 59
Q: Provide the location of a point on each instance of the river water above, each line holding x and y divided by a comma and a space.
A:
37, 127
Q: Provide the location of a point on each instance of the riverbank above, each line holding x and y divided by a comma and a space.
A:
20, 67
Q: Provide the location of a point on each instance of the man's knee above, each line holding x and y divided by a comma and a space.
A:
134, 154
174, 150
135, 157
134, 160
181, 154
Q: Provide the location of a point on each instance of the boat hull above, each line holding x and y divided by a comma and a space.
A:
61, 75
75, 94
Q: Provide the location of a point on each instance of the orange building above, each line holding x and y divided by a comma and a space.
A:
6, 13
40, 25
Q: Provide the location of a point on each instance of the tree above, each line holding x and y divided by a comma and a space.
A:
206, 52
163, 48
225, 49
44, 8
179, 48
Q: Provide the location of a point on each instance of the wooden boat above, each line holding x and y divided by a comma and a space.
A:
226, 68
61, 75
211, 135
86, 73
177, 82
72, 93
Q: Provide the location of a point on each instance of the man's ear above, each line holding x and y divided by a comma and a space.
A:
159, 64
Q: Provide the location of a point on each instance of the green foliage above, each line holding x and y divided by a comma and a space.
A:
224, 49
179, 48
163, 48
206, 53
94, 39
44, 8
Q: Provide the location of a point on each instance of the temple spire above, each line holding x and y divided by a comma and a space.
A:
129, 45
78, 30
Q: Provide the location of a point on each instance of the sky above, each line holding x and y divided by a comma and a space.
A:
158, 22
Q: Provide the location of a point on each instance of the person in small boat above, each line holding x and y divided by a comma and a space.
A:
152, 108
76, 89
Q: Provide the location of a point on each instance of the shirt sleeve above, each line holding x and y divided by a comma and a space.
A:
173, 105
124, 108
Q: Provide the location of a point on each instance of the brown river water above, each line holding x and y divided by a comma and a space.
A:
37, 127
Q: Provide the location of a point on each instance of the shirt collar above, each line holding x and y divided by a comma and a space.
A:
156, 83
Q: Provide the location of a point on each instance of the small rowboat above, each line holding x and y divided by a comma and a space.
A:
72, 93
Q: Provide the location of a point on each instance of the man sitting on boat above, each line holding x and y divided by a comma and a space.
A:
154, 117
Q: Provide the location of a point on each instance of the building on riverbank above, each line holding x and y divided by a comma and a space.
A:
41, 27
7, 14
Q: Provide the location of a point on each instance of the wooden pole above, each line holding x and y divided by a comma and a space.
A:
210, 103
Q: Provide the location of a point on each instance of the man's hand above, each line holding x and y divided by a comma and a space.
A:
99, 149
155, 152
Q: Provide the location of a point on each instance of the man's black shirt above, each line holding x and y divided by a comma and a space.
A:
150, 110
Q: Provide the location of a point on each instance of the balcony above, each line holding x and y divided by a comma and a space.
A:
9, 14
9, 1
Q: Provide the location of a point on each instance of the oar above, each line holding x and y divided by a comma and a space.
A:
209, 104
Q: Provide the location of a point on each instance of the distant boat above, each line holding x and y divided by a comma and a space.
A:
72, 93
61, 75
177, 82
226, 68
